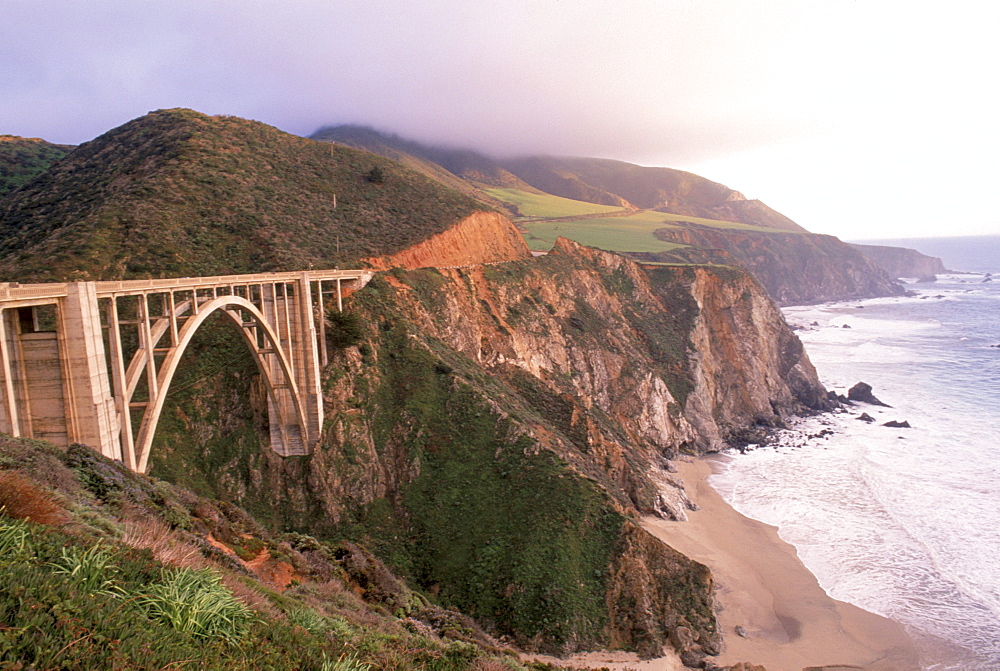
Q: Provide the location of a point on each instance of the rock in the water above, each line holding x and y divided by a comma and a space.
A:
862, 391
846, 326
865, 417
898, 425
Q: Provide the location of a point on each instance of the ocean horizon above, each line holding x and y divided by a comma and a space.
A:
903, 522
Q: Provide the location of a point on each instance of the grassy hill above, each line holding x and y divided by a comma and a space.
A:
664, 189
544, 217
22, 159
178, 193
657, 215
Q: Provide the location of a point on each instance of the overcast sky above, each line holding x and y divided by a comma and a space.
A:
858, 118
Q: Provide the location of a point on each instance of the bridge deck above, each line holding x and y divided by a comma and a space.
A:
48, 292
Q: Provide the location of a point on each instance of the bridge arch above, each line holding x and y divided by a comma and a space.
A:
265, 347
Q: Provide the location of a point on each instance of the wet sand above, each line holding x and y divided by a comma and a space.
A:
761, 585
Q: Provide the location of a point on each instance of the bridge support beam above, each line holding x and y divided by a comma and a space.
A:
91, 414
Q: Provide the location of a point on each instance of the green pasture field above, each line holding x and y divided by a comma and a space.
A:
545, 205
633, 233
628, 233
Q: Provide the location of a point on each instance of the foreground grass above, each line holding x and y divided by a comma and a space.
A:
93, 575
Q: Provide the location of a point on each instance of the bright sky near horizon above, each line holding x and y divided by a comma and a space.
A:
857, 118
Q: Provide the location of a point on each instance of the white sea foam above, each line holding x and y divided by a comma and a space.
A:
903, 522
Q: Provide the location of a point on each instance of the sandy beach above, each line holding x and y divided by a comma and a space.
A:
789, 621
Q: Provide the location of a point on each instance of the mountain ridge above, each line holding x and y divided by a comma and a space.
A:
177, 193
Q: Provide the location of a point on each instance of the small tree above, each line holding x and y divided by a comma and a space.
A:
375, 175
343, 329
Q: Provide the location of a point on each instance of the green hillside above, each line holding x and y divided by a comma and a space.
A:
22, 159
544, 217
672, 191
178, 193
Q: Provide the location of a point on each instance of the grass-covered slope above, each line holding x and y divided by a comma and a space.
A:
103, 568
615, 184
178, 193
22, 159
665, 189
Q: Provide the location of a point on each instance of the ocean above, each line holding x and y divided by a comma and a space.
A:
904, 522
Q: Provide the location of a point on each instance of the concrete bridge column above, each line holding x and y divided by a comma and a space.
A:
92, 418
306, 357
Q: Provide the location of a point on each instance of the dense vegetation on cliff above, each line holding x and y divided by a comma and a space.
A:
22, 159
178, 193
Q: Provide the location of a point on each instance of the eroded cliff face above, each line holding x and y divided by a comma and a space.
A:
498, 430
483, 237
749, 370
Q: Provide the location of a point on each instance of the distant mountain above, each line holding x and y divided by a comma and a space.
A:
657, 215
902, 262
23, 158
592, 180
177, 193
662, 189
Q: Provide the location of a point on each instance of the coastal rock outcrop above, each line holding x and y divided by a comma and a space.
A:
795, 268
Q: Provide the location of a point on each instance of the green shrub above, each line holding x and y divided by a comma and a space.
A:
196, 601
13, 539
89, 568
344, 663
343, 329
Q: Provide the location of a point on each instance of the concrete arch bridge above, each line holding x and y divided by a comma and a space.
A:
92, 362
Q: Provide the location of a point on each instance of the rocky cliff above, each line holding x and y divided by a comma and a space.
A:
796, 268
902, 262
497, 429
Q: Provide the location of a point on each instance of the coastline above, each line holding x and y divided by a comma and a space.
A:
763, 587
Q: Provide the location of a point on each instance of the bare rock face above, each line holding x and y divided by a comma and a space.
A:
748, 368
483, 237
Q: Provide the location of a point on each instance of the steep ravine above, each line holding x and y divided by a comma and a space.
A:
497, 430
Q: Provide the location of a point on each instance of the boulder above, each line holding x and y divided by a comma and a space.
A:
898, 425
865, 417
862, 391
